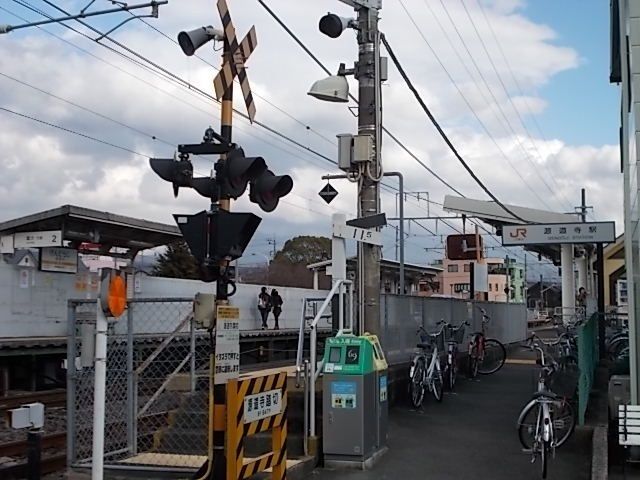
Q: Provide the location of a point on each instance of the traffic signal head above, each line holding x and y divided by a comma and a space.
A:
236, 171
267, 189
216, 236
179, 173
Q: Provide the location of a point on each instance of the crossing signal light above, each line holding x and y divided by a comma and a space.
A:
267, 189
178, 172
237, 171
216, 236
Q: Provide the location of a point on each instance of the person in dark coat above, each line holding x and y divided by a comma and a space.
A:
276, 302
264, 306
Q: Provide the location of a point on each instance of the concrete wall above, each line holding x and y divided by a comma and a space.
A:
34, 303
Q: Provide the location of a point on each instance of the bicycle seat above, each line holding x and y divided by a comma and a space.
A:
546, 394
425, 346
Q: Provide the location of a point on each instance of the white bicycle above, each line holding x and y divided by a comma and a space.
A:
426, 371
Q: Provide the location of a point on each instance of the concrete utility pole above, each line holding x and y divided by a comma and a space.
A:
369, 123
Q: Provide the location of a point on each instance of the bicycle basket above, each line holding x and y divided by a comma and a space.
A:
458, 335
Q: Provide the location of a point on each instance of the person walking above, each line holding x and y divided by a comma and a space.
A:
264, 306
276, 301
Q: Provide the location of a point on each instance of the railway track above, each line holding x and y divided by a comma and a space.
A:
50, 398
53, 456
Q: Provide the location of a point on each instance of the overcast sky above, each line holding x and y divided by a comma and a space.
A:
536, 118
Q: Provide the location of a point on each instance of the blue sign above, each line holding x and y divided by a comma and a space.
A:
343, 388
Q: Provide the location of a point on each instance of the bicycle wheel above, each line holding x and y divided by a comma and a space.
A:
416, 383
437, 384
528, 425
452, 373
544, 458
564, 421
472, 362
493, 358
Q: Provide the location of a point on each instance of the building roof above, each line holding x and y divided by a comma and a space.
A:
384, 263
81, 225
496, 216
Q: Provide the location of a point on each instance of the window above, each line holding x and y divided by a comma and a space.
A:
467, 267
452, 268
461, 287
490, 287
496, 287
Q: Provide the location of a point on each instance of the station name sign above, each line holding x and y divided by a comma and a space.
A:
558, 233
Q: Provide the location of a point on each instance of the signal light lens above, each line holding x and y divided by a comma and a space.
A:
267, 189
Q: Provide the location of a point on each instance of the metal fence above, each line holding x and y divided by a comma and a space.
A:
587, 362
401, 315
157, 384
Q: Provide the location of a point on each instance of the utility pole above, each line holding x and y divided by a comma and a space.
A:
369, 123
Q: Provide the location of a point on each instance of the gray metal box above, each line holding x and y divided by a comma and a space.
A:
345, 151
363, 148
619, 393
349, 420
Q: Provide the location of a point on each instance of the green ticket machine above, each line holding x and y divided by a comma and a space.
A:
355, 402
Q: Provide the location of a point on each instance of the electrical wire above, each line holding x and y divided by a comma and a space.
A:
444, 136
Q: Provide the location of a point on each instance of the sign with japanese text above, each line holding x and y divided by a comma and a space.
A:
558, 233
262, 405
227, 353
57, 259
49, 238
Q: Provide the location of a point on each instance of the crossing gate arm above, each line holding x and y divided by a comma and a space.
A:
257, 405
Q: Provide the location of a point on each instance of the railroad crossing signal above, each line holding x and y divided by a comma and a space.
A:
328, 193
239, 53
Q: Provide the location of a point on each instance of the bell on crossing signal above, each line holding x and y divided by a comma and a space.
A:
267, 189
236, 171
178, 172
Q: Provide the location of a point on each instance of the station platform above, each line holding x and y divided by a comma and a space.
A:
470, 435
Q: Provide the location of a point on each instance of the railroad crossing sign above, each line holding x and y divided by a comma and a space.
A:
239, 53
328, 193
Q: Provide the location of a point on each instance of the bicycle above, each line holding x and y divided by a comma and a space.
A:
547, 421
454, 336
421, 376
486, 355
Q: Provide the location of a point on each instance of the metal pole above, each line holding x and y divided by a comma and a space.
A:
34, 453
568, 287
401, 227
369, 108
312, 384
71, 383
100, 372
132, 441
601, 324
192, 351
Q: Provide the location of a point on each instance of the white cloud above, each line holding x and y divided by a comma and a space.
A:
45, 167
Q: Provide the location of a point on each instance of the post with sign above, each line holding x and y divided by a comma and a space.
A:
111, 302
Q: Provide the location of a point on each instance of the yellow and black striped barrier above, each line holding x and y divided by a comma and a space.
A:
257, 405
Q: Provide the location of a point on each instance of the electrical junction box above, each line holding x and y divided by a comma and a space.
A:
619, 393
204, 308
30, 415
363, 148
345, 151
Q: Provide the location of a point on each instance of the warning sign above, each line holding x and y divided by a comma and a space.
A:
262, 405
227, 356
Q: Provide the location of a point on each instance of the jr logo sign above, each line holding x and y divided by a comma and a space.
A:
519, 234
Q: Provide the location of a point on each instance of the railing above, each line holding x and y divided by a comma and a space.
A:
312, 372
587, 362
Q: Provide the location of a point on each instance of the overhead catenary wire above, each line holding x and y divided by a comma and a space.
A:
442, 133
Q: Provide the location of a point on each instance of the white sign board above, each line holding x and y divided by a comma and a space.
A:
558, 233
6, 244
227, 356
358, 234
480, 277
49, 238
262, 405
57, 259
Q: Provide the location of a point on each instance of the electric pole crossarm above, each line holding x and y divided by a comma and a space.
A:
124, 8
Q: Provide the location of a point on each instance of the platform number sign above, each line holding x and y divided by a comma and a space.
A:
238, 53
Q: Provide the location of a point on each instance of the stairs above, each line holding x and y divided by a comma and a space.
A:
186, 429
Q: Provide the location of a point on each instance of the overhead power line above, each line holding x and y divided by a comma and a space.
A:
444, 136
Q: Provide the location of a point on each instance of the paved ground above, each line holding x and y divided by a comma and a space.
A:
470, 436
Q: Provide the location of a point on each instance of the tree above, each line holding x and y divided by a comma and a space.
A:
176, 262
304, 250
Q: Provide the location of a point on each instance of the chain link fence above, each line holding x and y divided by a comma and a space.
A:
156, 411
